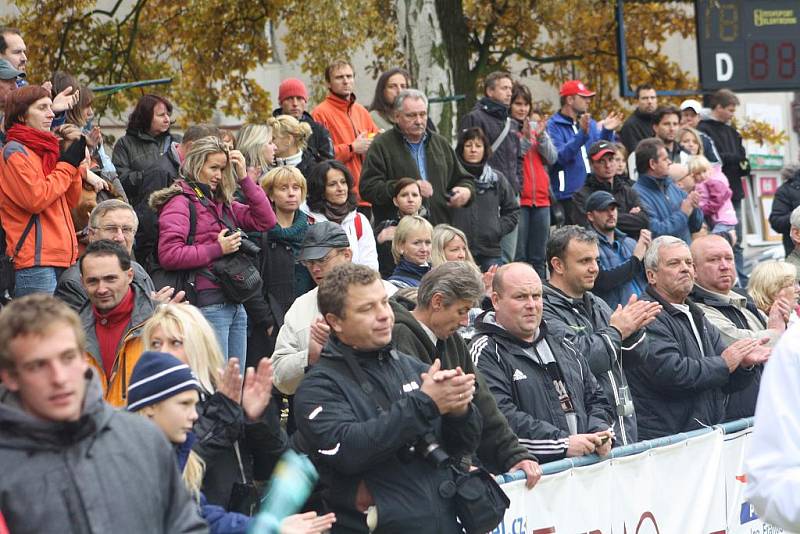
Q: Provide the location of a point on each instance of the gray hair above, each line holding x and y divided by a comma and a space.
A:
652, 255
454, 280
794, 219
112, 204
414, 94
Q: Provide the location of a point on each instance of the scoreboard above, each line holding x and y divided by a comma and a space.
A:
749, 45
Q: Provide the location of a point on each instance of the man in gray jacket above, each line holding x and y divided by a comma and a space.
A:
68, 459
610, 341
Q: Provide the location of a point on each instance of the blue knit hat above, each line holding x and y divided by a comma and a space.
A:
158, 376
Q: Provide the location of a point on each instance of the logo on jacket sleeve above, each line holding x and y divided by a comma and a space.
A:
519, 375
411, 386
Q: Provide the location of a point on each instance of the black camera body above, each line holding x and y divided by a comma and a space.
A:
426, 448
246, 246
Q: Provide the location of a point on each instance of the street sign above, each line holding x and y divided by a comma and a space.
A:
749, 45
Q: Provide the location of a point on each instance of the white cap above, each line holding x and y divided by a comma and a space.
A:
693, 105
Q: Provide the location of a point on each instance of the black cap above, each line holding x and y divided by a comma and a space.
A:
321, 238
600, 149
600, 200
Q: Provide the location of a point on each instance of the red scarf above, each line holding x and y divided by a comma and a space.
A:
109, 328
43, 144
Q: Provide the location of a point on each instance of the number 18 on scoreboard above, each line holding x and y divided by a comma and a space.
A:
749, 45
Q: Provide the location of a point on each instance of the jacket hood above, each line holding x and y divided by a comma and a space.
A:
791, 173
340, 102
23, 431
159, 198
595, 183
495, 109
402, 308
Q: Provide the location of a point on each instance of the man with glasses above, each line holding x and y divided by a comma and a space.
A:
116, 221
631, 218
671, 211
304, 331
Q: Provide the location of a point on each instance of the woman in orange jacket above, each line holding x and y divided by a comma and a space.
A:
39, 186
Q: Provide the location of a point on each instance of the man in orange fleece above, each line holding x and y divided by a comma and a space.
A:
348, 122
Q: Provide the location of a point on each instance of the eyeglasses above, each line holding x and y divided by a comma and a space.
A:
322, 262
114, 230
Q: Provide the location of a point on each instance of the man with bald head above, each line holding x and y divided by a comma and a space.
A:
732, 311
690, 370
542, 384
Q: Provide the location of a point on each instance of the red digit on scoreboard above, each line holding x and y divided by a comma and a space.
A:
759, 61
787, 56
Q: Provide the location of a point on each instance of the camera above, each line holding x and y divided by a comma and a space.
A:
247, 246
625, 402
427, 448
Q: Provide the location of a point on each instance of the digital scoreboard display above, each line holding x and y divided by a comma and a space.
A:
749, 45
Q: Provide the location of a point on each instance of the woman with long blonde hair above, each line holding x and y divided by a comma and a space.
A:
203, 195
256, 144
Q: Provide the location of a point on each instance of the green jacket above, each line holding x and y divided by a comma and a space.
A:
499, 448
389, 159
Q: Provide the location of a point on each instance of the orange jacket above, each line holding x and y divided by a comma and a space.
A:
115, 388
24, 191
345, 120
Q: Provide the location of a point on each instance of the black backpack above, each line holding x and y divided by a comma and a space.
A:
183, 280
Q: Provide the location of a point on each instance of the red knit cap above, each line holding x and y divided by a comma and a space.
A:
292, 87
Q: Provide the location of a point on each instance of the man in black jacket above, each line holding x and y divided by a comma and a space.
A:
491, 114
364, 403
631, 218
610, 340
293, 98
787, 198
735, 164
429, 331
540, 381
640, 124
732, 311
684, 382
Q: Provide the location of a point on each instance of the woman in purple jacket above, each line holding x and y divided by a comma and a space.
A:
207, 182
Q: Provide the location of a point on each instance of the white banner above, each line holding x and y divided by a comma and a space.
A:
693, 486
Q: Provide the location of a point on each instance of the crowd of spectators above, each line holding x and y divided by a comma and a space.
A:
345, 282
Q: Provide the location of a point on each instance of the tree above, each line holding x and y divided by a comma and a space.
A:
207, 46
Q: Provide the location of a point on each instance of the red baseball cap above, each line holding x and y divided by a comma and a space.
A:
575, 87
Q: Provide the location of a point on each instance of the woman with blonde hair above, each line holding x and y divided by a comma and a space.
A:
772, 282
291, 142
203, 195
239, 438
411, 249
256, 144
449, 244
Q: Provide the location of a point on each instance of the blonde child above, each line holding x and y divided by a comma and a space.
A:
715, 197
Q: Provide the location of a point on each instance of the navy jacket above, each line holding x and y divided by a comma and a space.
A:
621, 273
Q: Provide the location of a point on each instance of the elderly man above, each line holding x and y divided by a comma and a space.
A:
541, 382
365, 402
631, 218
444, 298
113, 220
66, 456
610, 340
670, 210
732, 311
293, 99
684, 382
304, 331
409, 149
793, 234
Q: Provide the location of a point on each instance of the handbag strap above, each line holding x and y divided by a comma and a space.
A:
33, 220
502, 136
359, 376
239, 460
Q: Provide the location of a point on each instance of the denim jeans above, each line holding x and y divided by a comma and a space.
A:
36, 280
534, 231
738, 252
508, 243
229, 322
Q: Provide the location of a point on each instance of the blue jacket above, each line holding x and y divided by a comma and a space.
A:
569, 172
621, 273
661, 199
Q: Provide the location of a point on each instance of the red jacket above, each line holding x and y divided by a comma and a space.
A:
535, 190
24, 191
345, 120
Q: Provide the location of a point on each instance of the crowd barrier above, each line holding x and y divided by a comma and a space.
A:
687, 483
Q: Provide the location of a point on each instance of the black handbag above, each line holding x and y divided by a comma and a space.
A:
8, 273
237, 277
245, 497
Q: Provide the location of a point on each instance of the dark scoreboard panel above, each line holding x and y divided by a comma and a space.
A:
749, 45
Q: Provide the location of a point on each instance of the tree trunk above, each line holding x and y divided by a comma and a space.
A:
456, 39
427, 59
